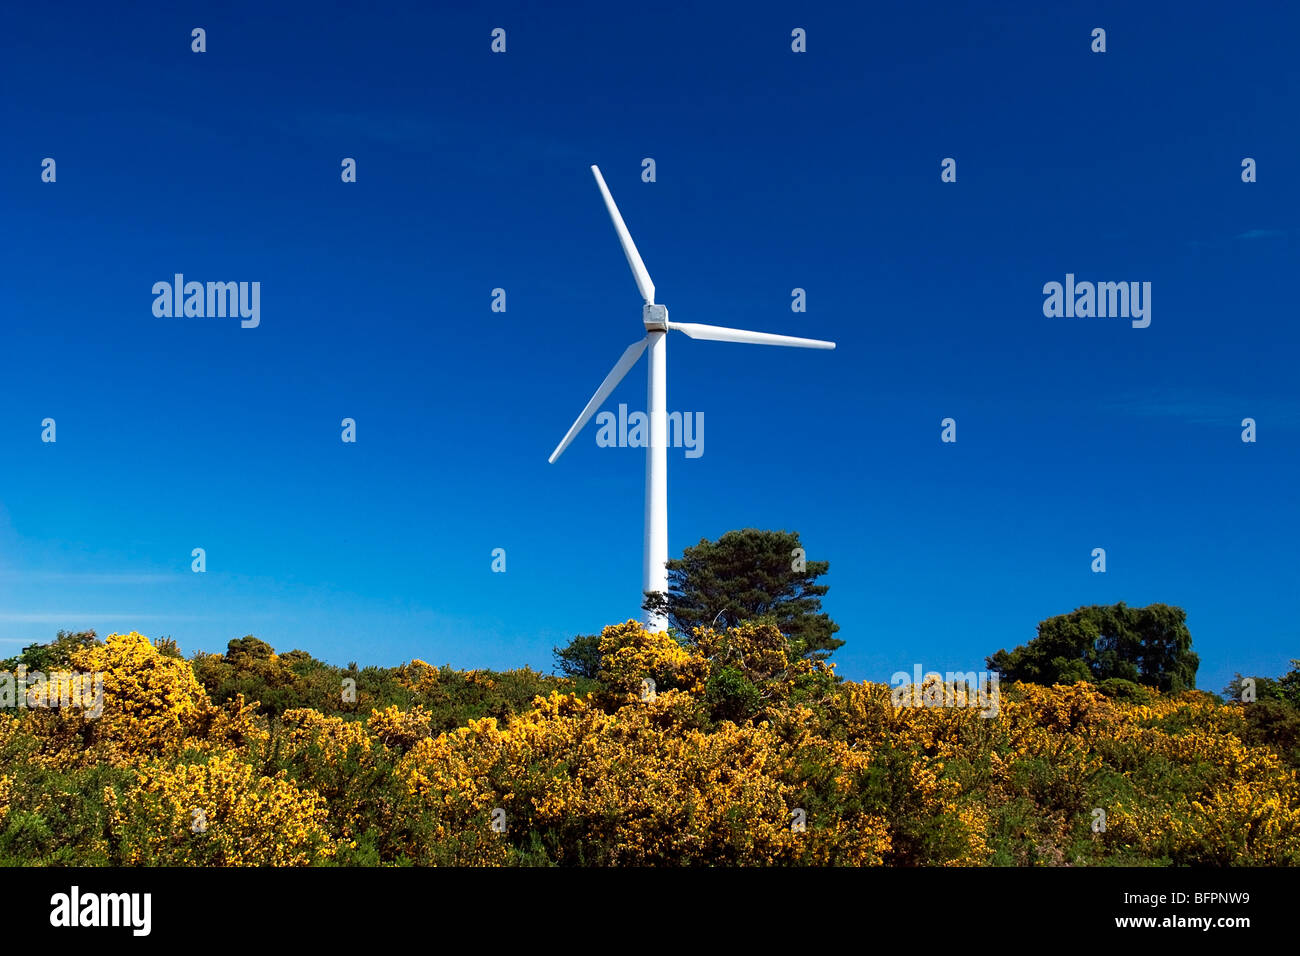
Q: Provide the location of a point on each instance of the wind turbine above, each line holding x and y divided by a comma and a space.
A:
654, 555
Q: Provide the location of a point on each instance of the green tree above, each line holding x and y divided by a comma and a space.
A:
240, 651
1285, 688
750, 575
1146, 645
581, 658
54, 655
251, 667
1273, 718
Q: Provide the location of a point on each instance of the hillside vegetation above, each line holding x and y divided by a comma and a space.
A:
738, 753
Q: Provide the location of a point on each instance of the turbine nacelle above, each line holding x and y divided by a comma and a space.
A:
655, 317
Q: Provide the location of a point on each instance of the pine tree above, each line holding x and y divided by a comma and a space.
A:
749, 575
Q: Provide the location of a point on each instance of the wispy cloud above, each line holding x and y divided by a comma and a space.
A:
1208, 409
89, 577
72, 617
1250, 235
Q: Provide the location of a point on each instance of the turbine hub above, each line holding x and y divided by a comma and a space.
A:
655, 317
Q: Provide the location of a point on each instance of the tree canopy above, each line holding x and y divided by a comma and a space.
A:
1146, 645
750, 575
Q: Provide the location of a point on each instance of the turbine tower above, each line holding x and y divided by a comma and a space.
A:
654, 554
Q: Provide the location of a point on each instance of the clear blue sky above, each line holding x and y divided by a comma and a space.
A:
775, 171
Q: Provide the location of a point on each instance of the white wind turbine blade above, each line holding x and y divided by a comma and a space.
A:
717, 333
639, 271
615, 376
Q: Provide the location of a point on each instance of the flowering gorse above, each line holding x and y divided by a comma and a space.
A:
745, 754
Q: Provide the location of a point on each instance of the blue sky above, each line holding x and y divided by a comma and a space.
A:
775, 170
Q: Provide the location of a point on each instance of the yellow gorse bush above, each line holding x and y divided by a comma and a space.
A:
636, 783
397, 728
221, 813
151, 703
629, 654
